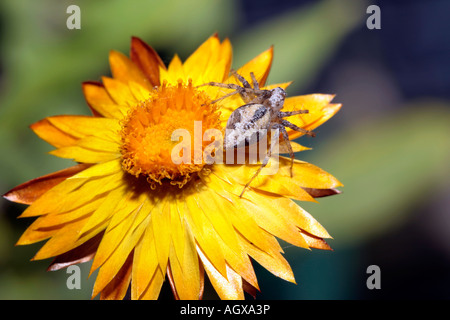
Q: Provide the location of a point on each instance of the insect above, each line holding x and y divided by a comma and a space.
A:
262, 112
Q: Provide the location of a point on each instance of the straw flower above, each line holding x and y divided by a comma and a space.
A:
142, 218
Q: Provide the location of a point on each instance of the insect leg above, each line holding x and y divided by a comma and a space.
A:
264, 163
222, 85
294, 127
225, 96
245, 83
255, 82
284, 114
287, 143
248, 94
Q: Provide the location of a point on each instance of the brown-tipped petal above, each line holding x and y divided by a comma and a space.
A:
251, 290
201, 285
92, 90
117, 288
146, 58
202, 279
319, 193
48, 132
172, 283
314, 241
125, 70
95, 84
83, 253
99, 101
28, 192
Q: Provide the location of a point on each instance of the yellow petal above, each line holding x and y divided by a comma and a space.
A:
131, 229
315, 242
204, 233
120, 93
138, 91
304, 175
71, 194
174, 72
161, 229
206, 201
238, 216
185, 270
33, 235
299, 217
273, 262
88, 192
225, 58
98, 170
117, 288
178, 231
55, 219
104, 211
62, 241
84, 126
202, 61
145, 263
153, 288
49, 133
273, 183
99, 100
84, 155
122, 68
121, 222
318, 107
260, 66
270, 217
228, 286
283, 85
283, 148
213, 206
51, 200
307, 175
327, 112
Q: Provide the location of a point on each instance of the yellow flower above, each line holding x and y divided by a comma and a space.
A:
141, 217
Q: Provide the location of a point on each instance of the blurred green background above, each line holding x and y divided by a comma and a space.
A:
389, 144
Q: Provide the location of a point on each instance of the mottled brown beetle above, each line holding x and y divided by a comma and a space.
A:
262, 112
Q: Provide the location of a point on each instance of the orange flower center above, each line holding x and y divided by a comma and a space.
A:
162, 136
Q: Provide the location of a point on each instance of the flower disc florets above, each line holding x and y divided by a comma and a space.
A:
149, 133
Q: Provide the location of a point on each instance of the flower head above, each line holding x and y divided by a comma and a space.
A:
141, 216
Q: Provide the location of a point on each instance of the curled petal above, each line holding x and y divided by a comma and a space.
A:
80, 254
28, 192
319, 193
315, 242
146, 58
